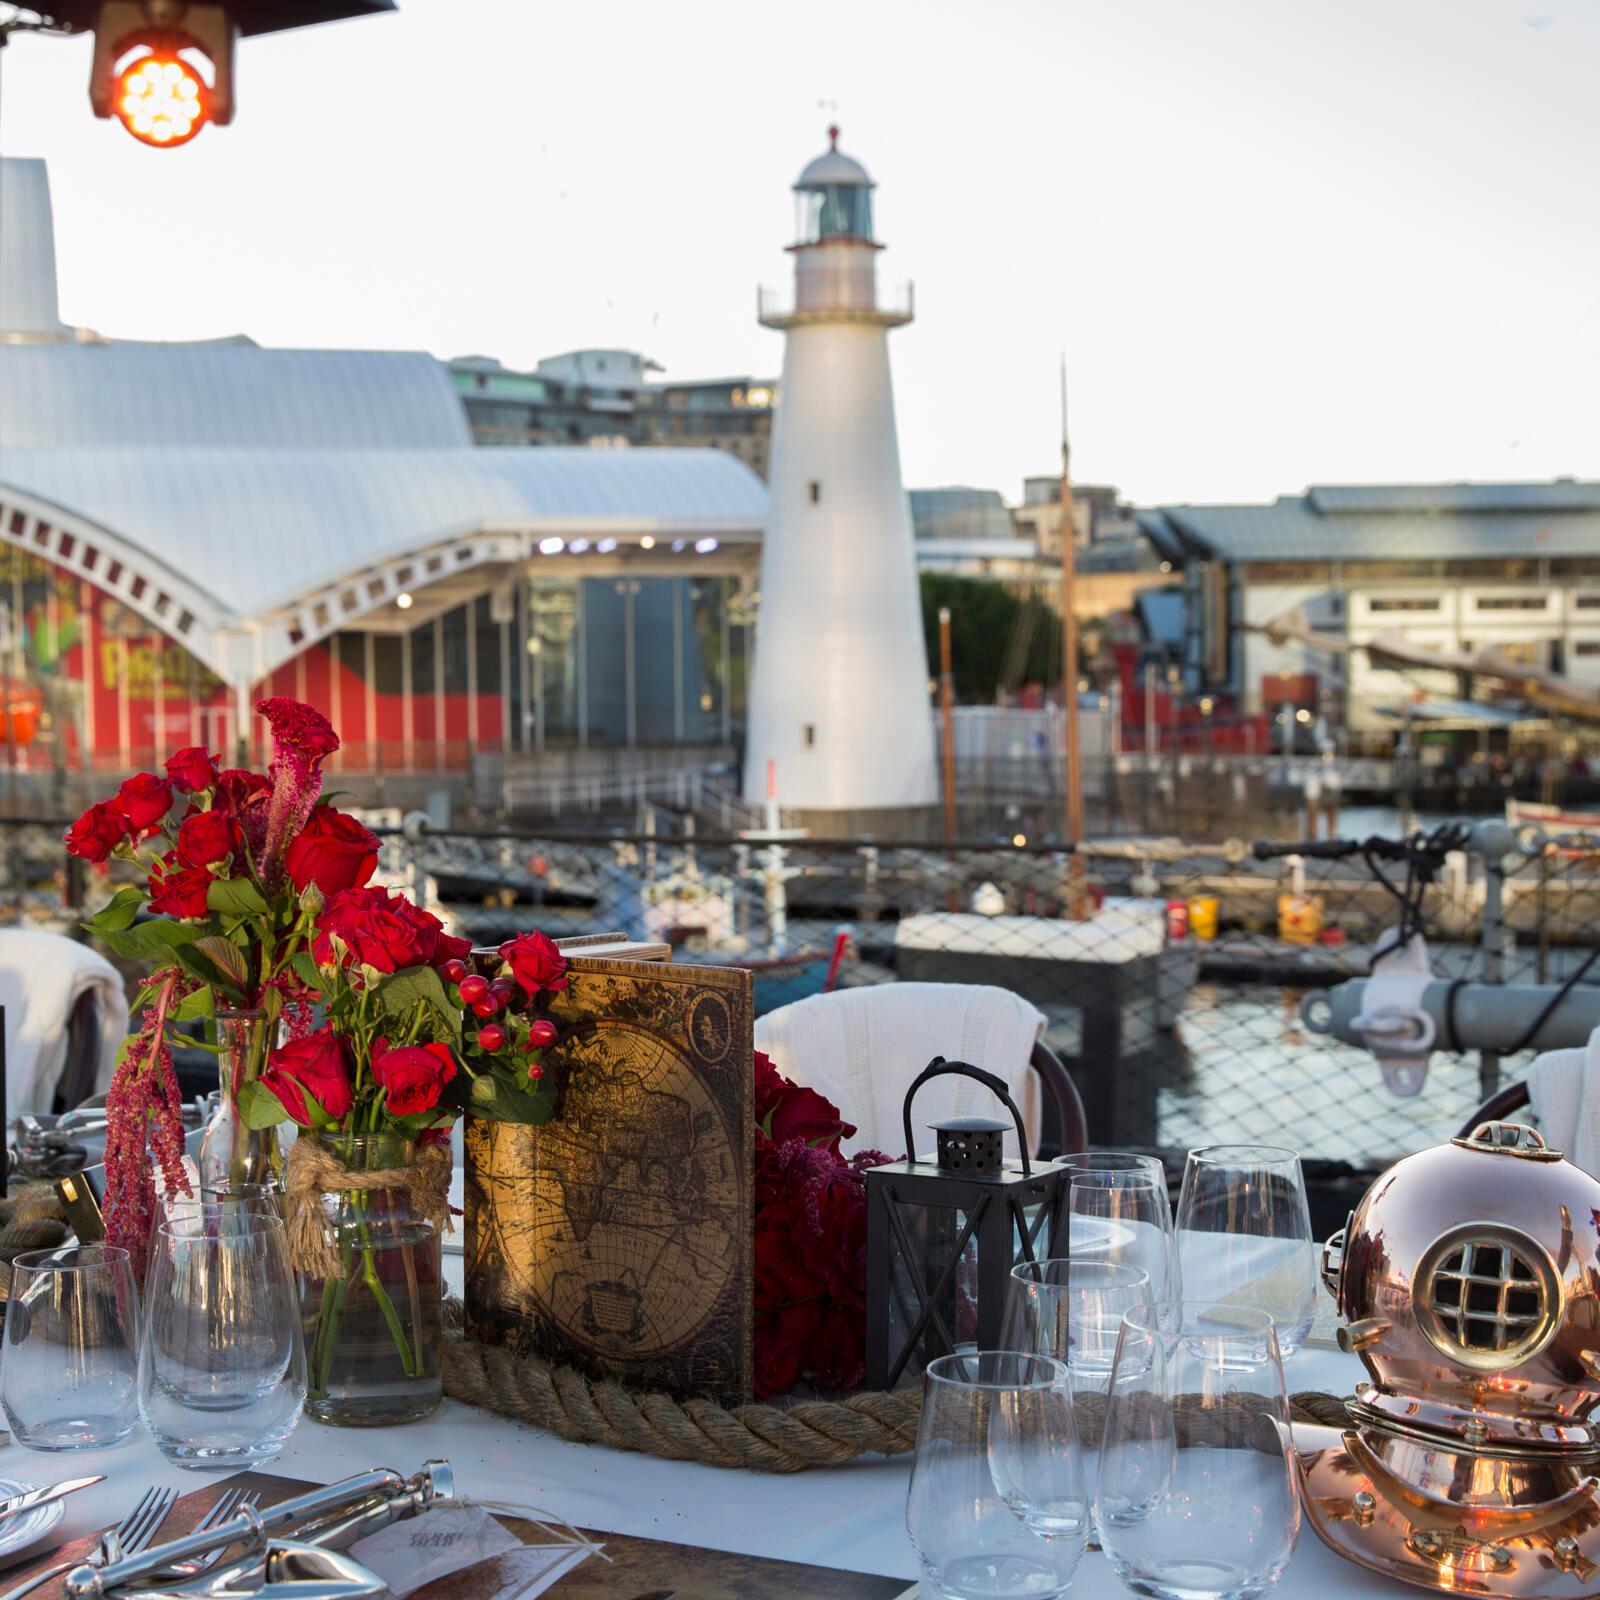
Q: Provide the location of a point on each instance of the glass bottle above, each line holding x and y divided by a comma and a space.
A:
232, 1155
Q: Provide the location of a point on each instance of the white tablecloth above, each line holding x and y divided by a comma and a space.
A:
851, 1517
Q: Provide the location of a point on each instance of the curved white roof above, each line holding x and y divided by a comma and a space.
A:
249, 501
165, 395
256, 530
833, 167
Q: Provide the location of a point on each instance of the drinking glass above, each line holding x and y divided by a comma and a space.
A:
1196, 1497
996, 1505
1121, 1214
266, 1198
1244, 1231
70, 1368
1073, 1310
222, 1372
1114, 1161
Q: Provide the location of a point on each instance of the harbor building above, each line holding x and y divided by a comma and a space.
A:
1276, 596
610, 399
839, 711
185, 527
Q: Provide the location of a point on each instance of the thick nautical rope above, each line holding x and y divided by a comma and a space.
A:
808, 1433
313, 1170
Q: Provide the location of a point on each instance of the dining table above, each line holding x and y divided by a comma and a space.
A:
850, 1517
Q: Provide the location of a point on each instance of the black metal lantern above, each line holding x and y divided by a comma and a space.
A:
943, 1233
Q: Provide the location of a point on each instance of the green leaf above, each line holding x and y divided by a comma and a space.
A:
159, 939
225, 955
119, 911
259, 1107
531, 1106
202, 1003
307, 971
236, 897
399, 994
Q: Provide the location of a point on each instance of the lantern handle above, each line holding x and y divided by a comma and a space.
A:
940, 1068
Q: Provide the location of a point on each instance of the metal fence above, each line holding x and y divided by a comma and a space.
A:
1176, 1004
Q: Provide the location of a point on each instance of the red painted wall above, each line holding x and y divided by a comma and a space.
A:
128, 695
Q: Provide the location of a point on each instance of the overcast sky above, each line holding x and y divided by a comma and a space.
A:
1279, 241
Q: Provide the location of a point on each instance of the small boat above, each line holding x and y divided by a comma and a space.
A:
781, 980
1553, 819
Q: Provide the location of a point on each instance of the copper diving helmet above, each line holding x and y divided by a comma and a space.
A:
1468, 1281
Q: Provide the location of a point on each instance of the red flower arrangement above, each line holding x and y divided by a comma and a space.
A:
810, 1240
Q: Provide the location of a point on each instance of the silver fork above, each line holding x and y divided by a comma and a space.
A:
234, 1500
130, 1536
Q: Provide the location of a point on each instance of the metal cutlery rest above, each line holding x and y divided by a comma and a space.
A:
288, 1551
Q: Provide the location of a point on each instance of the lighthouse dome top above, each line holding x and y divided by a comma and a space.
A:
833, 166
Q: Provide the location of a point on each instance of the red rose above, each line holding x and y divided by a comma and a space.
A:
333, 851
317, 1065
535, 963
382, 930
769, 1084
786, 1111
207, 836
804, 1114
448, 949
178, 888
97, 832
412, 1076
191, 769
240, 792
144, 800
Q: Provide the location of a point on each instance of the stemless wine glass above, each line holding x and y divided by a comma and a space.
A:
1244, 1231
69, 1379
265, 1198
1113, 1161
1196, 1497
222, 1373
1073, 1310
996, 1505
1121, 1214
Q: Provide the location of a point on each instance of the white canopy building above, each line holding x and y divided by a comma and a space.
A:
186, 526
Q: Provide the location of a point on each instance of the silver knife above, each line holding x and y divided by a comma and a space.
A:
40, 1497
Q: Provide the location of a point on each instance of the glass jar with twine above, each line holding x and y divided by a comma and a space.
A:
366, 1214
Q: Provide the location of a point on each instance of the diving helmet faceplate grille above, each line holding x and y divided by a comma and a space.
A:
1487, 1297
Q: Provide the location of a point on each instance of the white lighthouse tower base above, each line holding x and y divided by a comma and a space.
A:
839, 700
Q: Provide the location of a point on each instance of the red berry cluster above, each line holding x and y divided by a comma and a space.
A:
501, 1004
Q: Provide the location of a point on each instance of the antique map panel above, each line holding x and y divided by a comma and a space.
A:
617, 1237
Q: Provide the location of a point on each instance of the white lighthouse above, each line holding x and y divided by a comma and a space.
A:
839, 700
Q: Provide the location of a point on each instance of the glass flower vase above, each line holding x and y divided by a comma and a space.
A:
232, 1156
373, 1328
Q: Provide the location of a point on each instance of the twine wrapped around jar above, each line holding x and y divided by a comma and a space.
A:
313, 1170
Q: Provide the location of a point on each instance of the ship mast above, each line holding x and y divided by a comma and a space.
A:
1072, 774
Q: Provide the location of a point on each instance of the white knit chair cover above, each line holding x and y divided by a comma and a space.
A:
862, 1048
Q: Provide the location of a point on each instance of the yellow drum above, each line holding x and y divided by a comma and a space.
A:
1203, 916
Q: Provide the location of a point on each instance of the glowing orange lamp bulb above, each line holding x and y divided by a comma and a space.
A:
161, 100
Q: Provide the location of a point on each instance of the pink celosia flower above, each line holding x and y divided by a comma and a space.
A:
144, 1123
301, 739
